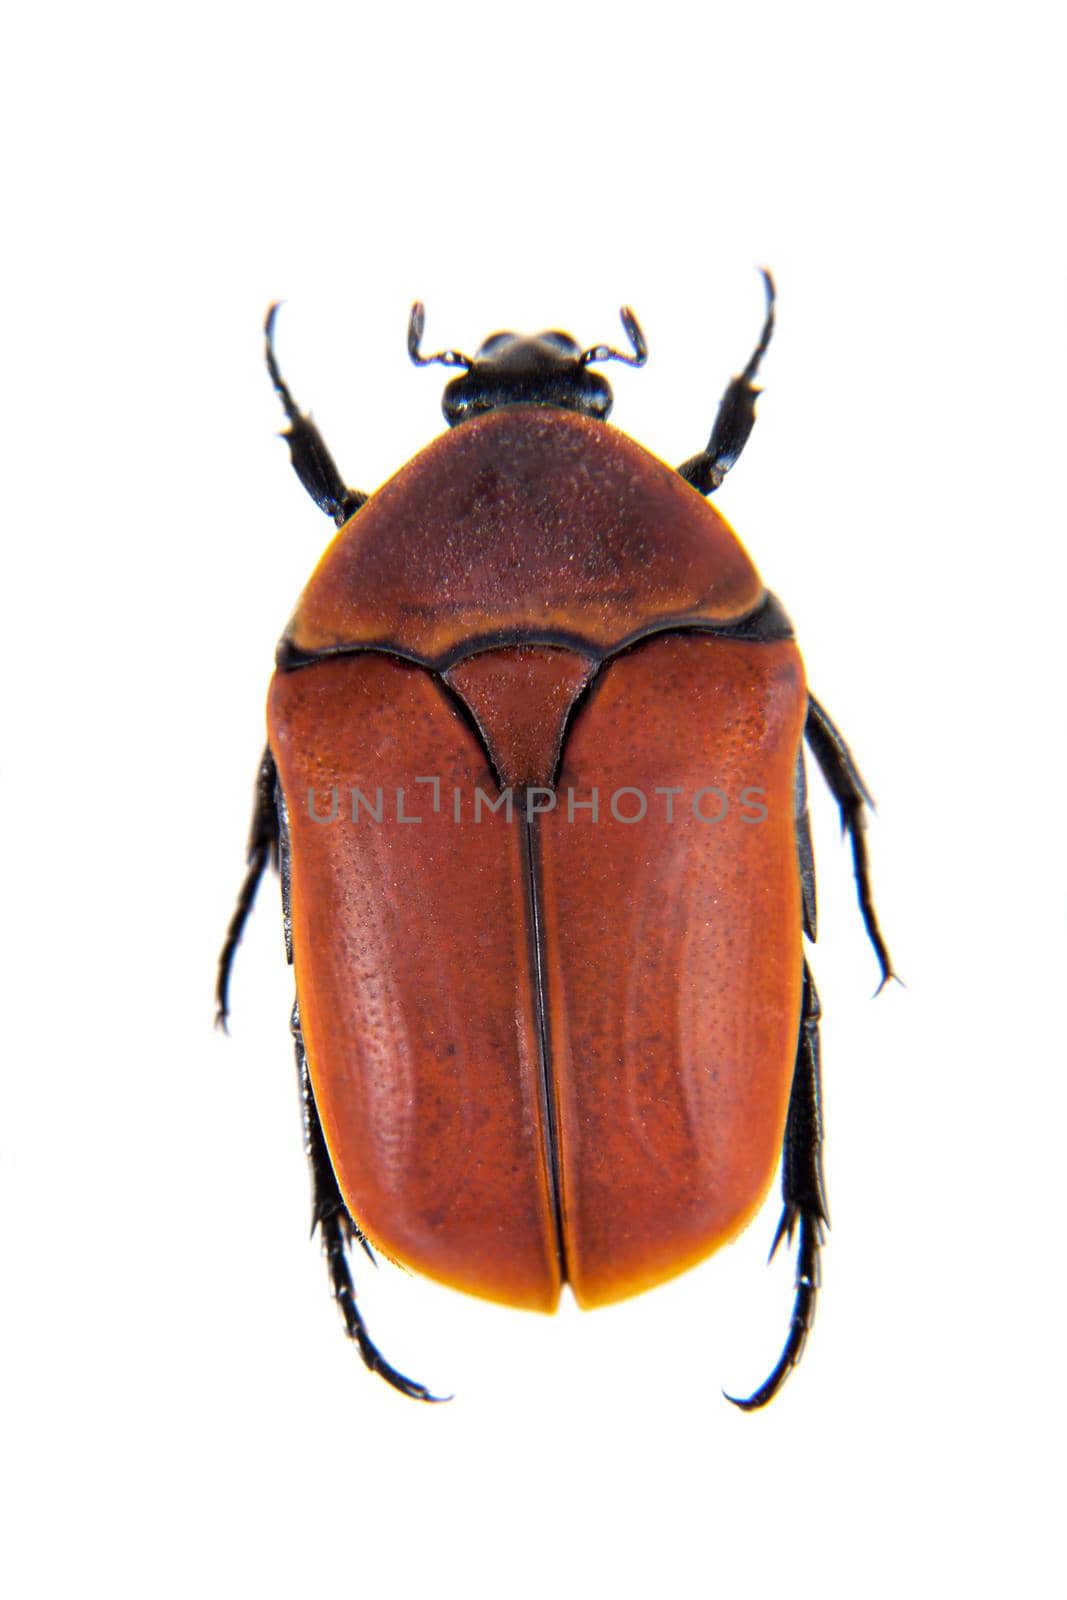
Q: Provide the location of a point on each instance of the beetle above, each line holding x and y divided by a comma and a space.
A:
554, 1021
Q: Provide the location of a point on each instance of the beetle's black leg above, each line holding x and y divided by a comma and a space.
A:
735, 417
803, 1194
337, 1230
848, 789
805, 852
312, 462
262, 848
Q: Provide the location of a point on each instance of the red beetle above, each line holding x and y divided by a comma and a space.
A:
535, 784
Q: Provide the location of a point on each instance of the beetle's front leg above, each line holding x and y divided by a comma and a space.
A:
803, 1194
736, 415
329, 1215
312, 461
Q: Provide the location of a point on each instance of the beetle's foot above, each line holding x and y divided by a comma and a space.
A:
335, 1235
376, 1362
807, 1286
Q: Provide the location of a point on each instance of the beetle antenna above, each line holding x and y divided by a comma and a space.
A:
446, 358
604, 352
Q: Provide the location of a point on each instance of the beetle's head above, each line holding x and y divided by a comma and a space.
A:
512, 369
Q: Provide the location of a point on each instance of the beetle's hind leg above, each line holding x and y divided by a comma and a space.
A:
803, 1195
329, 1215
736, 415
262, 849
848, 789
312, 461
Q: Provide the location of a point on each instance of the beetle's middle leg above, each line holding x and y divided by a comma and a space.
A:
329, 1215
262, 849
312, 461
848, 789
736, 415
803, 1194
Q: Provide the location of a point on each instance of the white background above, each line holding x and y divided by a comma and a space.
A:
181, 1415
